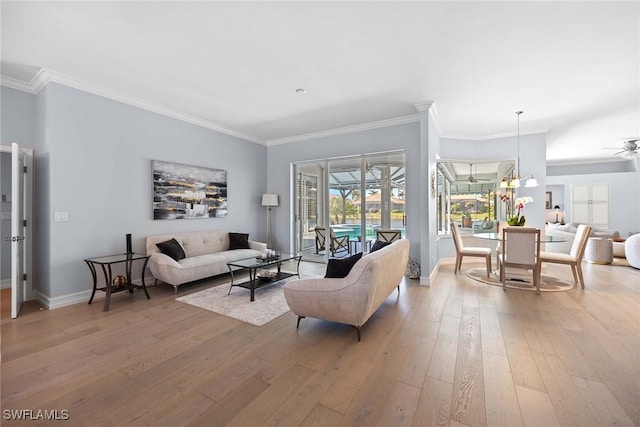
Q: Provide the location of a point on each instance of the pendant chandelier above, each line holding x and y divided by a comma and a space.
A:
529, 181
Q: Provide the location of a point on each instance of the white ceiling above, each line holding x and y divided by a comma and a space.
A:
573, 67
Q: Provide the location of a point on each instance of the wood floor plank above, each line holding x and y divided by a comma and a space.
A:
491, 336
536, 408
442, 365
617, 381
501, 402
606, 407
400, 407
266, 404
415, 367
340, 395
468, 405
434, 406
569, 407
219, 413
321, 416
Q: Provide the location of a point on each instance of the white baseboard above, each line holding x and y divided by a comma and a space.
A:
5, 284
69, 299
64, 300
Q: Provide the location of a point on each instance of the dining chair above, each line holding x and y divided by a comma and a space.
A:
499, 229
520, 249
335, 244
574, 257
388, 235
463, 251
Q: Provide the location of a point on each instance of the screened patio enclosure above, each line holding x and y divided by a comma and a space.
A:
349, 194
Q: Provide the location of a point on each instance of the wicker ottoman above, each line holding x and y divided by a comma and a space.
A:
599, 250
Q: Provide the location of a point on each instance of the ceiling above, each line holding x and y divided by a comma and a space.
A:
572, 67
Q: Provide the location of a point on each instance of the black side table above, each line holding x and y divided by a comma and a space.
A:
106, 262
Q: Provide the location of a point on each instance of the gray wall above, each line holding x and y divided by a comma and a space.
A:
280, 158
17, 119
93, 160
5, 222
624, 197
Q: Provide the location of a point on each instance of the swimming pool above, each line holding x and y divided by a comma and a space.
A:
353, 231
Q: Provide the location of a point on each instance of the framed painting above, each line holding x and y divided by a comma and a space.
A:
547, 200
187, 192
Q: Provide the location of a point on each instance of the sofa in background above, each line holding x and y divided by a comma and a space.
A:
352, 299
568, 231
206, 254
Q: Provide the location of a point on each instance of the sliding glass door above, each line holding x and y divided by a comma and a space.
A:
341, 203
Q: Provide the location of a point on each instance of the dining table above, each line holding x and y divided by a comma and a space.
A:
498, 237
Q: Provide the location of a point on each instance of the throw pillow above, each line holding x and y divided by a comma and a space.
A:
172, 248
487, 225
339, 268
379, 244
238, 241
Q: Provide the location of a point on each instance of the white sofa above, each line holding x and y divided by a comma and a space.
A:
568, 231
353, 299
207, 254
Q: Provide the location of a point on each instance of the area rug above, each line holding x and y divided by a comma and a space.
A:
517, 280
269, 302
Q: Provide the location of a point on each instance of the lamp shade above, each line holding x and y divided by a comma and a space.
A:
531, 182
269, 200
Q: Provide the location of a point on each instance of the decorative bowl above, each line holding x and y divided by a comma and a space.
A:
266, 275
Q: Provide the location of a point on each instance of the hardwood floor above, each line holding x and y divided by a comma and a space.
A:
457, 353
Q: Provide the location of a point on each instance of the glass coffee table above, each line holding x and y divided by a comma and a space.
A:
256, 263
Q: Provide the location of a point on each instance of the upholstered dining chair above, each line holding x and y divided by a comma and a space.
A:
463, 251
574, 257
388, 235
520, 249
336, 243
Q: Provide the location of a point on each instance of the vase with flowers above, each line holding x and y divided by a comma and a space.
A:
517, 219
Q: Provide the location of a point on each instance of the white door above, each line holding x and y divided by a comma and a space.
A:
17, 230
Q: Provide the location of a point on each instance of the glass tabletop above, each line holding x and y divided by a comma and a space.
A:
112, 259
543, 238
256, 262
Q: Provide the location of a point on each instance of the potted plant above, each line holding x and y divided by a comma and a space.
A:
466, 219
517, 219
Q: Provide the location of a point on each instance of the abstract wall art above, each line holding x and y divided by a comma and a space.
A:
185, 192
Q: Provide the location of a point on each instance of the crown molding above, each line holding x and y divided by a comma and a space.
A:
423, 106
45, 77
346, 129
491, 137
16, 84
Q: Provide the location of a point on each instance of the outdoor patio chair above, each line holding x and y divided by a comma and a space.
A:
336, 244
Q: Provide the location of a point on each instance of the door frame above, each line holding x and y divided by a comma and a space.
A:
28, 216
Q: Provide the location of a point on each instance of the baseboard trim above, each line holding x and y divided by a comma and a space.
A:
5, 284
52, 303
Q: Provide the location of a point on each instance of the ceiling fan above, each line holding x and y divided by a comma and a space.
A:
472, 179
630, 149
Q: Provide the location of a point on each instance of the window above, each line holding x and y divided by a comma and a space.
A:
470, 194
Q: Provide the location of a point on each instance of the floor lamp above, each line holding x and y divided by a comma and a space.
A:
270, 201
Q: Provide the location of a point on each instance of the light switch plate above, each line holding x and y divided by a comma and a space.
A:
61, 216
